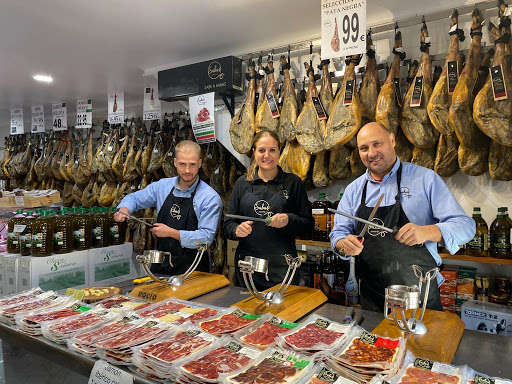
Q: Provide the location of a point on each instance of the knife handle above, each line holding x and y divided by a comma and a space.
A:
360, 238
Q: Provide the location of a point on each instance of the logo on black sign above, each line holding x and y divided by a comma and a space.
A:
215, 71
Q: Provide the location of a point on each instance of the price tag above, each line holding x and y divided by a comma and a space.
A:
343, 28
19, 201
398, 92
453, 75
498, 83
116, 107
319, 108
349, 92
152, 108
103, 372
271, 101
417, 92
17, 127
60, 117
37, 119
84, 113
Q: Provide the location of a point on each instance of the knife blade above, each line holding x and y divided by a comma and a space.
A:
370, 223
249, 218
137, 219
372, 215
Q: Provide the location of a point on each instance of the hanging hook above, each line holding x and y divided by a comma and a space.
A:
396, 27
288, 53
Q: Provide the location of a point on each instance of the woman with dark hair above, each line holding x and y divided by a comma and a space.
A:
266, 191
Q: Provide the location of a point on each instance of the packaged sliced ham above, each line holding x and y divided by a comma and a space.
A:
228, 321
155, 359
315, 334
263, 333
121, 303
419, 370
21, 297
85, 342
274, 366
322, 374
60, 330
178, 311
117, 350
31, 322
474, 377
44, 301
224, 356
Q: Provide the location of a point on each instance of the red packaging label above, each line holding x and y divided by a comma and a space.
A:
386, 343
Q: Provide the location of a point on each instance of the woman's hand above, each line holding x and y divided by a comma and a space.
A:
244, 229
279, 220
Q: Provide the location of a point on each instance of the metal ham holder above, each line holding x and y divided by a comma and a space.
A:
253, 264
400, 298
158, 257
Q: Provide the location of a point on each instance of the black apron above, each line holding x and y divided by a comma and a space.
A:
265, 242
178, 213
385, 261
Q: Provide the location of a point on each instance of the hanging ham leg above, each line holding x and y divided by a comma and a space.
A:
369, 91
289, 112
264, 119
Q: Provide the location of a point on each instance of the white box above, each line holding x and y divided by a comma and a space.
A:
56, 272
110, 265
2, 276
11, 273
487, 317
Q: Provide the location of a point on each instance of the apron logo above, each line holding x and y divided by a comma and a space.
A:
374, 231
405, 192
262, 208
175, 212
285, 194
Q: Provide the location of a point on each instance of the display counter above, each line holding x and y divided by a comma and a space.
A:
36, 360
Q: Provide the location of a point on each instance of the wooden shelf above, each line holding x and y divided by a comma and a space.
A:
323, 244
476, 259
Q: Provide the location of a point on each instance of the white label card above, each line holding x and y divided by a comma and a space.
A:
19, 201
60, 116
202, 117
37, 119
116, 107
152, 108
84, 113
17, 127
103, 373
343, 28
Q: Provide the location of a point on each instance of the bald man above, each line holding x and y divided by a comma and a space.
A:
188, 211
416, 201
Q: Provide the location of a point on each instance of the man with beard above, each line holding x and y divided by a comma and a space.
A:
416, 201
188, 211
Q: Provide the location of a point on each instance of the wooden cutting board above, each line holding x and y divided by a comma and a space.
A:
298, 302
197, 284
441, 341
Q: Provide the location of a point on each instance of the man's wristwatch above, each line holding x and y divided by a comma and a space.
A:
342, 248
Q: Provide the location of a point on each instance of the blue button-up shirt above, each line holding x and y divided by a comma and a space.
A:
207, 206
425, 199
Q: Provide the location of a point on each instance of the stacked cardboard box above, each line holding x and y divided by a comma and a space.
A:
449, 288
466, 277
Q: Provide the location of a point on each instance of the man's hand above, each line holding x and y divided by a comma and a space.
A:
279, 220
244, 229
351, 245
413, 234
119, 217
162, 230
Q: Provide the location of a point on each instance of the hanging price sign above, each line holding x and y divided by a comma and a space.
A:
343, 28
60, 116
151, 101
116, 107
37, 119
17, 127
84, 113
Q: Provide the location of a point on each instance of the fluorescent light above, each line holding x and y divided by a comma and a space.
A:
46, 79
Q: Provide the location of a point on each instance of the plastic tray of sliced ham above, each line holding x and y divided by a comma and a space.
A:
315, 334
263, 333
275, 366
21, 297
31, 322
320, 373
178, 311
228, 321
123, 303
155, 359
44, 301
61, 329
224, 356
474, 377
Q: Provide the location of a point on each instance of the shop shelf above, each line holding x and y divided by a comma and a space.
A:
323, 244
476, 259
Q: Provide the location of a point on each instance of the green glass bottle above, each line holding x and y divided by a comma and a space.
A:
500, 235
63, 234
26, 235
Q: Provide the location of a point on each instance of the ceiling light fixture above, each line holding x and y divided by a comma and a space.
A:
44, 78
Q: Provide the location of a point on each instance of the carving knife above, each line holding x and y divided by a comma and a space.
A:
372, 215
249, 218
370, 223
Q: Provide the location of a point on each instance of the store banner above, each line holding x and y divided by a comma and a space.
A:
202, 118
116, 107
84, 113
60, 116
103, 373
17, 127
37, 119
343, 28
152, 107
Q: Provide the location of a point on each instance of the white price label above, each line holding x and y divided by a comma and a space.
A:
17, 127
84, 113
116, 107
19, 201
152, 107
103, 372
343, 28
151, 115
37, 119
60, 117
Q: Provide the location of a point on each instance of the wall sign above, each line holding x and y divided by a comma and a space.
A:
60, 116
17, 127
37, 119
116, 107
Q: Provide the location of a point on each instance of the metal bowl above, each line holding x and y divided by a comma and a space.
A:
153, 256
259, 265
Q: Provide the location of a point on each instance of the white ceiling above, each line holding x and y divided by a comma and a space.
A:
96, 46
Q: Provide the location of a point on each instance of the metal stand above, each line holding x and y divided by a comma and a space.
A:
400, 298
252, 264
153, 256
